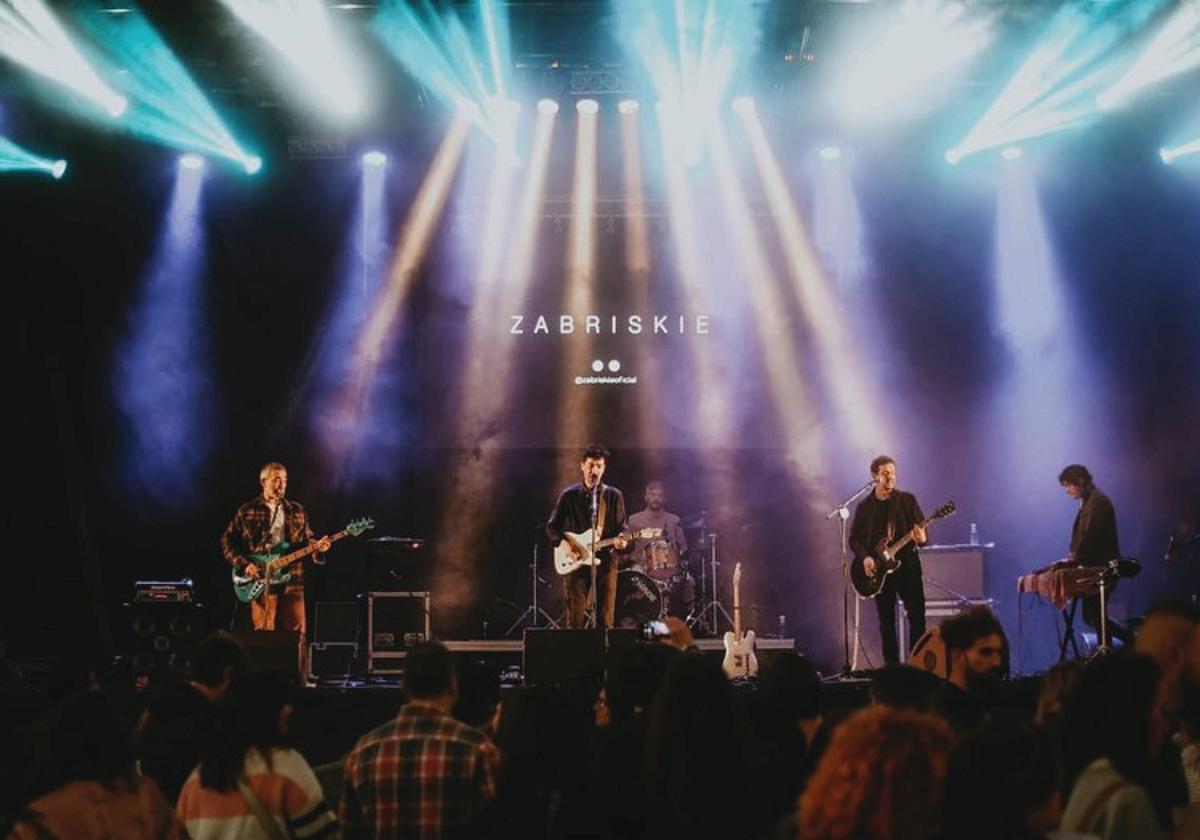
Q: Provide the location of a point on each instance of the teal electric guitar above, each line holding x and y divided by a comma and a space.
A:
276, 564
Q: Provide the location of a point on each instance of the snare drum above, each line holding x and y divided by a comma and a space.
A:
662, 560
639, 599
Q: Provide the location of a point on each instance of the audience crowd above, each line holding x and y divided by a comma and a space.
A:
662, 745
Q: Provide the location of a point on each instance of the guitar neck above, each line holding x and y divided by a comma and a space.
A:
910, 536
300, 553
737, 603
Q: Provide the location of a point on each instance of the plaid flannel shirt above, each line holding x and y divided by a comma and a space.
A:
422, 775
249, 532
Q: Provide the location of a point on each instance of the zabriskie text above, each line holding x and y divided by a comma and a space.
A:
609, 324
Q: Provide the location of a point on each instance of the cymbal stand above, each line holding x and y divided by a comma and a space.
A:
533, 611
714, 602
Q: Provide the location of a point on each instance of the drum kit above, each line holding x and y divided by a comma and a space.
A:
662, 582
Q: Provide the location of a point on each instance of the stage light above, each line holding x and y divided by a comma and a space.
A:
374, 158
906, 64
252, 164
32, 37
547, 106
14, 158
322, 67
830, 153
1011, 153
743, 105
191, 161
1170, 154
627, 106
953, 156
1056, 86
587, 106
1174, 49
447, 53
164, 104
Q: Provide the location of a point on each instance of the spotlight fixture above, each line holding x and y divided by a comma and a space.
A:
252, 164
627, 106
547, 106
953, 156
587, 106
58, 169
374, 158
191, 161
830, 153
117, 106
1011, 152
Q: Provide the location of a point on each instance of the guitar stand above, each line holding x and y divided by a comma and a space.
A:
533, 611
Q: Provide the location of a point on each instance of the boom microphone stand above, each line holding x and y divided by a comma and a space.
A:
842, 513
592, 619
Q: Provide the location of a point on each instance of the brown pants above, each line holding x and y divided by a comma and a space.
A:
283, 610
579, 585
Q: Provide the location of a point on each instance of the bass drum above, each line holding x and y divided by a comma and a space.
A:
639, 599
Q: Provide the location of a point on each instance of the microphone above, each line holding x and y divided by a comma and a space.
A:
595, 499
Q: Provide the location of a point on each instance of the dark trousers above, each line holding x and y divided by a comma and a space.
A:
907, 583
1091, 617
579, 587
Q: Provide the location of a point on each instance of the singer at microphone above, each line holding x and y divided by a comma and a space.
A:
586, 510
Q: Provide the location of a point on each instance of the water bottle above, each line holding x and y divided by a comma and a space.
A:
782, 627
974, 539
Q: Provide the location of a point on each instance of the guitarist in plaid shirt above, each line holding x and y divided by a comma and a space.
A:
423, 774
258, 526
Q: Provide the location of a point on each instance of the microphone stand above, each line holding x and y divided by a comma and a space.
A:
842, 513
594, 616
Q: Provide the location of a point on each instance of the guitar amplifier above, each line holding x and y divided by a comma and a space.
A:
397, 564
163, 591
952, 572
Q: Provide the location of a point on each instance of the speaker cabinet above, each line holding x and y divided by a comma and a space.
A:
162, 637
563, 656
336, 622
397, 564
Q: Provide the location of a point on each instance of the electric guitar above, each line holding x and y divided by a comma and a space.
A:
276, 564
740, 660
565, 563
868, 586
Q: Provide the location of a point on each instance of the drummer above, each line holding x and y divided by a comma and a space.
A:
672, 544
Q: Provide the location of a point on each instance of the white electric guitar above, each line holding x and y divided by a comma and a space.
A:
740, 660
565, 562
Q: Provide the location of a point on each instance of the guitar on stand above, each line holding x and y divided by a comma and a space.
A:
870, 585
275, 566
740, 660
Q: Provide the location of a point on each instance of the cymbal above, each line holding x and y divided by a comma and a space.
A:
1125, 567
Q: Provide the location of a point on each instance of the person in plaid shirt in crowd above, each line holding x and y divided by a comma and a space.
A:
258, 526
423, 774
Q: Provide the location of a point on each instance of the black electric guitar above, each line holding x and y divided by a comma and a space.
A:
886, 562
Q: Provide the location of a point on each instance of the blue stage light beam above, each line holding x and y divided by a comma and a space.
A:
318, 61
1174, 49
32, 37
1075, 57
167, 106
161, 374
691, 53
13, 158
1170, 154
905, 65
446, 53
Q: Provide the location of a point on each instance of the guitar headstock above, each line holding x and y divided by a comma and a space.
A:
737, 573
357, 526
946, 508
